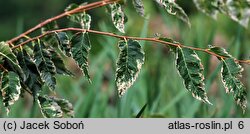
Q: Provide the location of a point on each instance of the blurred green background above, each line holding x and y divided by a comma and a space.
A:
158, 85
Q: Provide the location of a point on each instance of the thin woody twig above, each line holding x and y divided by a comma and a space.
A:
127, 37
76, 10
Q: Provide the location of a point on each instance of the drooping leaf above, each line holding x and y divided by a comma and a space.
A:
86, 21
230, 74
52, 107
45, 65
59, 64
81, 46
64, 43
118, 17
191, 70
6, 52
209, 7
129, 63
50, 40
33, 79
66, 107
138, 4
220, 52
81, 18
174, 9
11, 89
49, 108
239, 11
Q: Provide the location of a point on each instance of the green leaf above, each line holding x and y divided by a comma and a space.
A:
33, 79
64, 43
174, 9
43, 60
118, 17
129, 63
220, 52
11, 89
66, 107
59, 64
81, 18
190, 69
209, 7
6, 52
239, 11
50, 40
138, 4
230, 72
81, 46
52, 107
172, 48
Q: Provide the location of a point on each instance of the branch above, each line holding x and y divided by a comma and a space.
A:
76, 10
3, 68
126, 37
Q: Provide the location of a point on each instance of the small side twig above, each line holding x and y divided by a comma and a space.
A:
76, 10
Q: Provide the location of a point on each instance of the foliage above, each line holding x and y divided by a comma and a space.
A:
32, 65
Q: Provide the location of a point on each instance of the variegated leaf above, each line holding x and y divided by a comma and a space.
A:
52, 107
220, 52
43, 60
138, 4
118, 16
11, 89
64, 43
130, 61
6, 52
174, 9
81, 46
239, 11
209, 7
191, 70
230, 73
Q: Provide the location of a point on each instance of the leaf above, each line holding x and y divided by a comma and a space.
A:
59, 64
239, 11
6, 52
86, 21
11, 89
66, 107
174, 9
220, 52
129, 63
64, 43
230, 74
50, 40
52, 107
81, 46
45, 65
209, 7
172, 48
190, 69
138, 4
118, 17
81, 18
33, 79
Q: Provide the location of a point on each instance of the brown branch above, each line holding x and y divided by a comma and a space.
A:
3, 68
76, 10
126, 37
